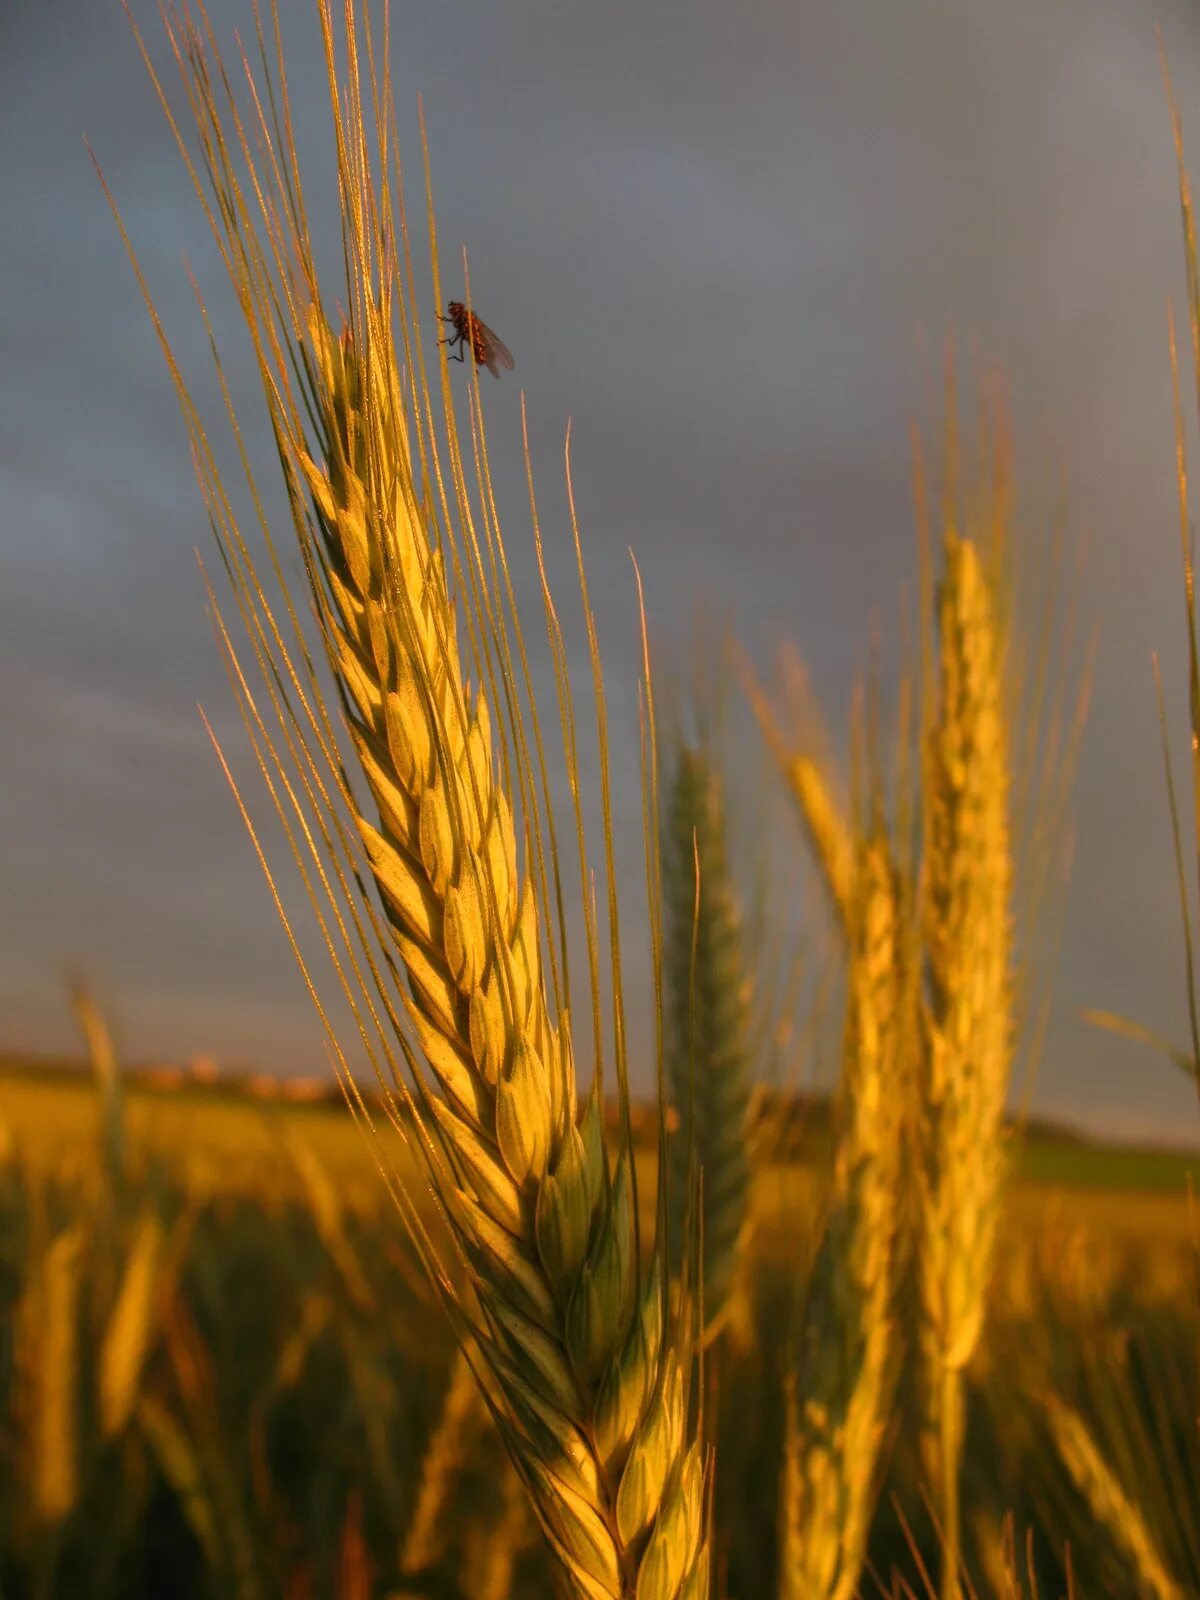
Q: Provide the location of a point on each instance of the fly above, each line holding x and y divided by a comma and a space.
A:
487, 350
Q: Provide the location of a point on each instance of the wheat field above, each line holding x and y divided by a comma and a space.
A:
293, 1422
484, 1321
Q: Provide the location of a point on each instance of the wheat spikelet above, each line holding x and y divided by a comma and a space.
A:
1108, 1502
968, 1018
130, 1324
840, 1393
52, 1331
709, 995
588, 1374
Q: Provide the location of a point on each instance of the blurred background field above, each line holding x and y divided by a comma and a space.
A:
223, 1372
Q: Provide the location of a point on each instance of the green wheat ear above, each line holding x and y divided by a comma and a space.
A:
708, 989
434, 872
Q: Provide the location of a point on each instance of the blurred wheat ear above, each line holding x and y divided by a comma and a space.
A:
847, 1351
106, 1073
709, 994
969, 1012
1113, 1510
840, 1395
443, 939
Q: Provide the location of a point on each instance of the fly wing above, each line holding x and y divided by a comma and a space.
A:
491, 351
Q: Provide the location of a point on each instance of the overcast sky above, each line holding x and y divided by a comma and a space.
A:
728, 242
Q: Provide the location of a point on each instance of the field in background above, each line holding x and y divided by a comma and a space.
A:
234, 1129
294, 1399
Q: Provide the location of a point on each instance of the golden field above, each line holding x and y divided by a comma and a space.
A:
292, 1397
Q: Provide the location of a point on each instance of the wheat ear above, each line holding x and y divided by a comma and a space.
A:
106, 1071
595, 1398
131, 1327
708, 988
1108, 1503
968, 1026
588, 1374
840, 1393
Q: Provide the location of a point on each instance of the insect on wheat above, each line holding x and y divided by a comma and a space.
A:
487, 349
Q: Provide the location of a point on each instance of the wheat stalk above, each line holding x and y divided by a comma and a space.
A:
840, 1393
968, 1016
588, 1374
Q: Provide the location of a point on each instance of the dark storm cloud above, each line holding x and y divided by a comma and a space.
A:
729, 243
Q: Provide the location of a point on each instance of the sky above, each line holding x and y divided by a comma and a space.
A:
729, 244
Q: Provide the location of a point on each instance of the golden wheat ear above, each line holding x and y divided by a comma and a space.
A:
414, 807
968, 1016
842, 1386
